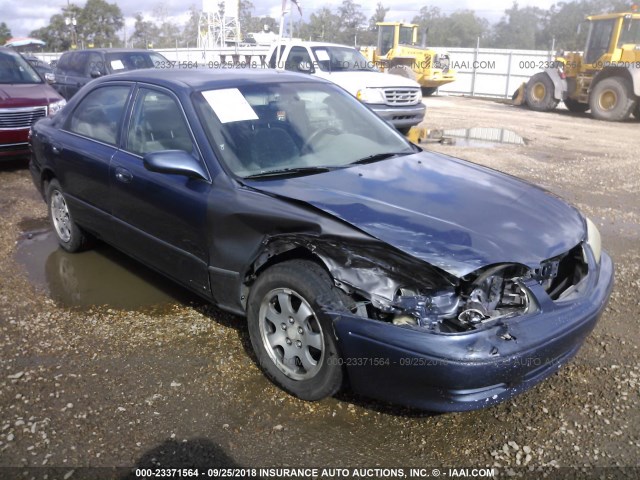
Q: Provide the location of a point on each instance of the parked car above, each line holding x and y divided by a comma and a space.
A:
40, 66
355, 255
396, 99
76, 68
24, 98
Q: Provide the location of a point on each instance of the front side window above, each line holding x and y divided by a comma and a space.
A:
296, 56
260, 129
15, 69
100, 113
157, 124
340, 59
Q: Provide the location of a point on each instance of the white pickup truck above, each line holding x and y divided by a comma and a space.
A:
396, 99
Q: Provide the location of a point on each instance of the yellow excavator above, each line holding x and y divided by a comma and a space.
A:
605, 78
398, 53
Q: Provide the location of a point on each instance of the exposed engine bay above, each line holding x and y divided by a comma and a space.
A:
389, 287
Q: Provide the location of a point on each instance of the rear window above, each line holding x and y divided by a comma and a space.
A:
15, 69
121, 61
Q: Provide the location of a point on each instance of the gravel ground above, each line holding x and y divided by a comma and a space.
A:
107, 386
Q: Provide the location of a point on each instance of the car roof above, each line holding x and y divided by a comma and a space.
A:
111, 50
204, 77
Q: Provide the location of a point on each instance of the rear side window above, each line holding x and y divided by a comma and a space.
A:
63, 63
296, 56
99, 114
78, 63
157, 124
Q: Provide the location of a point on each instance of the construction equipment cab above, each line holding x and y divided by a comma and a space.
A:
605, 78
395, 99
398, 53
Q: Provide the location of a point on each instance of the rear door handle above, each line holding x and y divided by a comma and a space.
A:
123, 175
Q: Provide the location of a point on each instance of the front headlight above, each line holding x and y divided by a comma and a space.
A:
594, 240
55, 107
370, 95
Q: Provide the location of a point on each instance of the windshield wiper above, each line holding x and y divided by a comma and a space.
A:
379, 156
292, 171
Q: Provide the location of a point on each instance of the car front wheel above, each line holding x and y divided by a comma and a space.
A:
70, 236
291, 335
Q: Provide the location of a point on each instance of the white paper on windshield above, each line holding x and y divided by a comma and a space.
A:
117, 65
322, 55
229, 105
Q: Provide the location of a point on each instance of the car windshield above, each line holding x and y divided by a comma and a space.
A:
15, 69
294, 128
120, 61
340, 59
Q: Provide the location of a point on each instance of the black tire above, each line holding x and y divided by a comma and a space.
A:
575, 106
636, 111
403, 71
69, 235
539, 93
298, 280
428, 91
611, 100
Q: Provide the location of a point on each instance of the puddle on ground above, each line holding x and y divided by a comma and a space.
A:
475, 137
100, 276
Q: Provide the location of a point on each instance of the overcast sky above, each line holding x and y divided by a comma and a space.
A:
23, 16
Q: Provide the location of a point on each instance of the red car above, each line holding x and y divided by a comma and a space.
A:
24, 98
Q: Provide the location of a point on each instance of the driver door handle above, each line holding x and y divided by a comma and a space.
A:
123, 175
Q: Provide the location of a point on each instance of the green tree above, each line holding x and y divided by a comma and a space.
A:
352, 21
145, 32
96, 24
190, 30
324, 25
5, 33
370, 35
522, 28
60, 33
167, 32
100, 22
431, 20
463, 28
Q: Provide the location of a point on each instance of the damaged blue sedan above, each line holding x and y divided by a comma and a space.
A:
359, 260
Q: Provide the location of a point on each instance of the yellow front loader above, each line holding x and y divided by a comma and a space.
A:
398, 53
605, 78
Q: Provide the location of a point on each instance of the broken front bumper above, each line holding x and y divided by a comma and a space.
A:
468, 371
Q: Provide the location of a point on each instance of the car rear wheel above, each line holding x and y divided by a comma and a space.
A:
70, 236
611, 100
291, 335
539, 93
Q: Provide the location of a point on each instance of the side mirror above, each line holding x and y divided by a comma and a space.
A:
50, 78
95, 73
177, 162
306, 67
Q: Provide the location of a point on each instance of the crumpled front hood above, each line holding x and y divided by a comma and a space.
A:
450, 213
